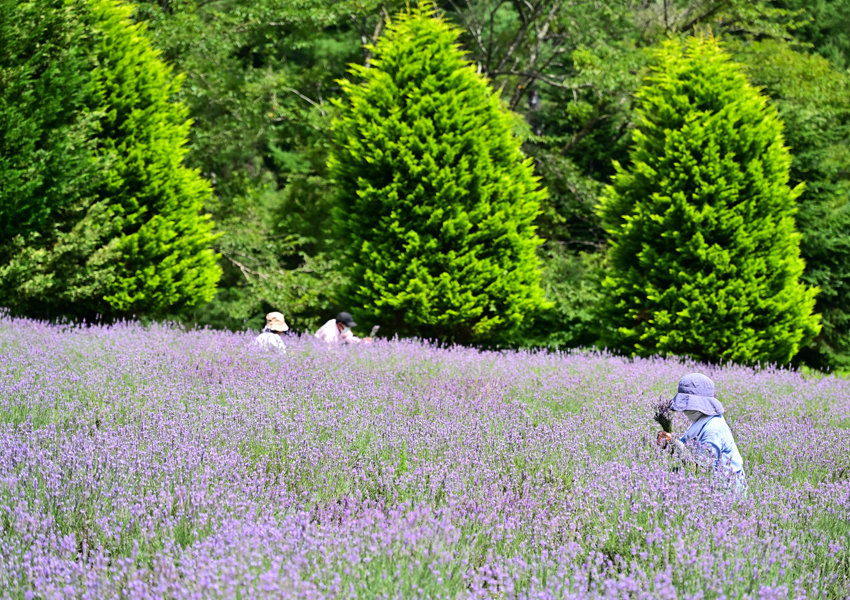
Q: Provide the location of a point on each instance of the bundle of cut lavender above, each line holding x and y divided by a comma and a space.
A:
663, 413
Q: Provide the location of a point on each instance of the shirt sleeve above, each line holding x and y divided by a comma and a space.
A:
323, 333
348, 337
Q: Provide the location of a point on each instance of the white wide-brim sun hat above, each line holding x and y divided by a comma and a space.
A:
276, 322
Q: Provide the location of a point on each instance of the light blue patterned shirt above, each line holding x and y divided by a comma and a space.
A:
714, 434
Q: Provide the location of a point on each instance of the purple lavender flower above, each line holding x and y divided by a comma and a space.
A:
149, 462
662, 413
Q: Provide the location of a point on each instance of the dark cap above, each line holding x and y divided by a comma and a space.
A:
345, 319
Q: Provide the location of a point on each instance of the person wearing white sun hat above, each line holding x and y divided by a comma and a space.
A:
271, 337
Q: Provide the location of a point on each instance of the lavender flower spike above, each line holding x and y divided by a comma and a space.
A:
663, 413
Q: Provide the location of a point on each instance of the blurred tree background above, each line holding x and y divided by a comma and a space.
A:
259, 78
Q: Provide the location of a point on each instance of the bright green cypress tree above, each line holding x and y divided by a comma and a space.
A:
166, 262
97, 213
436, 200
704, 252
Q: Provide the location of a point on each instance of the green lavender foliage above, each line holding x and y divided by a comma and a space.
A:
705, 258
436, 201
98, 214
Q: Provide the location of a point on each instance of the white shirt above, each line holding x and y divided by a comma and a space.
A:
330, 333
270, 340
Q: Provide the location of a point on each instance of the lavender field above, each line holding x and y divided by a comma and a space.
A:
155, 463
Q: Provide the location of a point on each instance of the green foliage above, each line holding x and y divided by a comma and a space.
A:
258, 80
435, 199
91, 155
586, 127
704, 253
45, 157
586, 111
165, 261
826, 25
813, 100
258, 76
52, 223
585, 114
572, 284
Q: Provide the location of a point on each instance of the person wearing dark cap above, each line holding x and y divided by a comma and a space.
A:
713, 439
339, 330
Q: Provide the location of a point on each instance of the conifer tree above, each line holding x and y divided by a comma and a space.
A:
705, 258
46, 127
97, 213
436, 200
166, 262
52, 225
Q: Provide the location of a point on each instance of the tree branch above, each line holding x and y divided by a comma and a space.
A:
246, 271
584, 131
537, 76
378, 26
713, 11
473, 28
492, 36
524, 25
306, 99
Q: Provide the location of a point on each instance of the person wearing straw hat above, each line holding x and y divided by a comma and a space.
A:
271, 337
339, 330
709, 432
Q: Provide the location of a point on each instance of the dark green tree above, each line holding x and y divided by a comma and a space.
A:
436, 202
116, 227
813, 100
705, 258
46, 130
52, 223
826, 25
